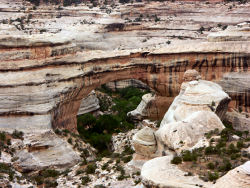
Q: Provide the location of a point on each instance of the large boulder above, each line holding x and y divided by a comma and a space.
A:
192, 114
144, 142
188, 133
45, 150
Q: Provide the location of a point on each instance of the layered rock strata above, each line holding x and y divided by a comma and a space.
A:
45, 87
45, 150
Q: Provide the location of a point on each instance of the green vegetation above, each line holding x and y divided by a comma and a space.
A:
17, 134
176, 160
5, 168
91, 169
223, 154
98, 131
85, 180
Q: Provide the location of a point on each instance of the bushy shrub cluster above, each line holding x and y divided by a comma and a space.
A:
98, 131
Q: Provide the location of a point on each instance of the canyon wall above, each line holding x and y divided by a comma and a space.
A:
44, 79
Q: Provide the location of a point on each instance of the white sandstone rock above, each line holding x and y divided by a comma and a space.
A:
236, 178
89, 104
159, 172
141, 110
144, 142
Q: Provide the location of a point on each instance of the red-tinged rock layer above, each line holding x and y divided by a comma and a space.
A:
42, 84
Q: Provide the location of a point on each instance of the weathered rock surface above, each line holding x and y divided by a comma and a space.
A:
241, 32
44, 77
191, 114
89, 104
122, 140
119, 84
144, 142
237, 178
160, 173
185, 134
142, 109
45, 150
239, 121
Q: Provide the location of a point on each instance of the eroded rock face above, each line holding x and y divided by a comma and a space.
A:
185, 134
192, 114
120, 84
45, 150
89, 104
142, 109
44, 77
237, 178
144, 142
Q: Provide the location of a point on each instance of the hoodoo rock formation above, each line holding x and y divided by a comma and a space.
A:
193, 113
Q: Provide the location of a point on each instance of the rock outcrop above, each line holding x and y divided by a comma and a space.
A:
49, 63
89, 104
160, 173
241, 32
143, 109
237, 178
120, 84
45, 150
192, 113
144, 142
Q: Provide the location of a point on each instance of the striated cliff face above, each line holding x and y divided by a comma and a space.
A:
43, 82
51, 57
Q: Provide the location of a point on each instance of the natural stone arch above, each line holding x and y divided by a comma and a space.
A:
161, 72
45, 90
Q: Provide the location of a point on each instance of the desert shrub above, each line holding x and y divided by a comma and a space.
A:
106, 122
213, 176
79, 172
189, 156
210, 150
17, 134
70, 140
91, 169
232, 149
105, 166
226, 166
50, 173
35, 2
240, 144
176, 160
210, 166
99, 186
57, 131
2, 136
85, 180
49, 183
235, 156
126, 159
86, 120
128, 150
